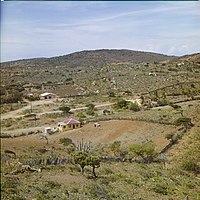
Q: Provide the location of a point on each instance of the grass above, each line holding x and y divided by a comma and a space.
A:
116, 180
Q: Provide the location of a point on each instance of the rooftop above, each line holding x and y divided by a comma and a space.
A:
71, 121
46, 94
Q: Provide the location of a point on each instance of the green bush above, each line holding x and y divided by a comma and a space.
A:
115, 147
90, 112
163, 102
134, 107
190, 165
84, 159
145, 151
184, 121
65, 141
65, 109
121, 104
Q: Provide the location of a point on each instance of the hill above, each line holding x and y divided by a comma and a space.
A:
91, 58
195, 58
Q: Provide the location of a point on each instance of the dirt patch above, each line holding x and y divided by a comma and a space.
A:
126, 131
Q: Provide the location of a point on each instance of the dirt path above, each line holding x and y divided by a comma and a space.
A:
16, 113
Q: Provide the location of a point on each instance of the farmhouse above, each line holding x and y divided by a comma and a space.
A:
47, 95
68, 125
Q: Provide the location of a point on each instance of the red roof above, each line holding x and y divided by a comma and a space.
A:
71, 121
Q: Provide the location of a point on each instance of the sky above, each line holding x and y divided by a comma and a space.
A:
52, 28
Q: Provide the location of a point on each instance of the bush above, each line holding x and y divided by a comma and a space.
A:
90, 106
111, 94
184, 121
169, 136
134, 107
90, 112
33, 98
121, 104
81, 115
106, 112
115, 147
65, 141
190, 165
163, 102
145, 151
65, 109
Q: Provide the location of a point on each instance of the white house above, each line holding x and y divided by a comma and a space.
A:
47, 95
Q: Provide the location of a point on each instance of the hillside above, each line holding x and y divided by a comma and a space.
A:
195, 58
91, 58
146, 145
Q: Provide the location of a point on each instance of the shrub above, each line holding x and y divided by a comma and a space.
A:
190, 165
33, 98
115, 147
81, 115
94, 162
169, 136
185, 121
163, 102
106, 112
111, 94
145, 151
65, 141
90, 112
90, 106
134, 107
65, 109
121, 104
161, 188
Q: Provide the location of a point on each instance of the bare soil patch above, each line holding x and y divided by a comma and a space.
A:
126, 131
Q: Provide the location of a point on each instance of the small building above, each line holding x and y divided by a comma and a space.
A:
47, 95
47, 130
68, 125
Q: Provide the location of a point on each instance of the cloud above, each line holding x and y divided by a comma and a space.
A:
59, 28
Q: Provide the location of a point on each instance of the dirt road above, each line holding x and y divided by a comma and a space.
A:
16, 113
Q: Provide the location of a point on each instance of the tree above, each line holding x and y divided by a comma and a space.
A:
80, 158
84, 159
145, 151
94, 162
65, 109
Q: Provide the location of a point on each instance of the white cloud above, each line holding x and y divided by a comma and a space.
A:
148, 29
